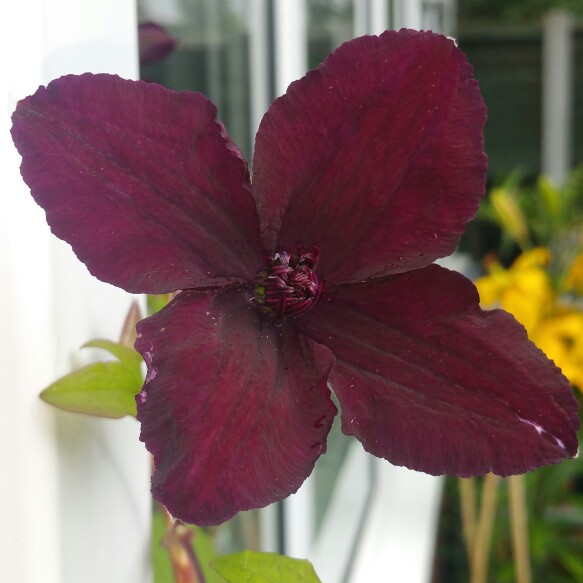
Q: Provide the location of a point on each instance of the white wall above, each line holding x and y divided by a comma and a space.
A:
74, 496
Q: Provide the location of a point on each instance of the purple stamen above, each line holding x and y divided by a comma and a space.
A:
288, 285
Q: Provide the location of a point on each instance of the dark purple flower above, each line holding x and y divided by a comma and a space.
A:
154, 43
364, 173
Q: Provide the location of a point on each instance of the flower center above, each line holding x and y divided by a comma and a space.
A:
288, 286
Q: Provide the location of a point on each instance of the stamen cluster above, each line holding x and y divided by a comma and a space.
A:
288, 284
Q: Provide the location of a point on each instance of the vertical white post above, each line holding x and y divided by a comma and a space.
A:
379, 16
407, 14
557, 98
291, 42
74, 490
259, 61
370, 16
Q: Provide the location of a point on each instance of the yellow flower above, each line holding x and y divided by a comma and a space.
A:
538, 257
574, 279
560, 337
524, 289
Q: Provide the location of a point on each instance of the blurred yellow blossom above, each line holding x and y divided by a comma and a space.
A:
525, 290
560, 337
574, 278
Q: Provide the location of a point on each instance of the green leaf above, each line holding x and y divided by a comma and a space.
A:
155, 302
102, 389
128, 356
252, 567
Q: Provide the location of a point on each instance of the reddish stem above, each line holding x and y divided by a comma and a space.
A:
178, 541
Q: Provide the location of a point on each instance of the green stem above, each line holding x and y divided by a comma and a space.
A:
519, 524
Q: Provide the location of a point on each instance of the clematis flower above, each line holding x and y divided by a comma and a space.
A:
316, 273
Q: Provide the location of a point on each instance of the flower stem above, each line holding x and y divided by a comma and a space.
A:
467, 488
519, 520
178, 541
483, 532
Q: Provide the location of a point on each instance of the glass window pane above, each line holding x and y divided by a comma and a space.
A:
330, 23
212, 56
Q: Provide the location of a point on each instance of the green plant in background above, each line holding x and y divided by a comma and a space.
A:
543, 286
542, 230
537, 215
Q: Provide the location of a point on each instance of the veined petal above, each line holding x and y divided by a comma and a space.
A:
235, 410
429, 381
143, 182
376, 156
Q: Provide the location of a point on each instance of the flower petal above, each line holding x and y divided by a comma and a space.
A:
142, 181
376, 156
155, 43
235, 409
429, 381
